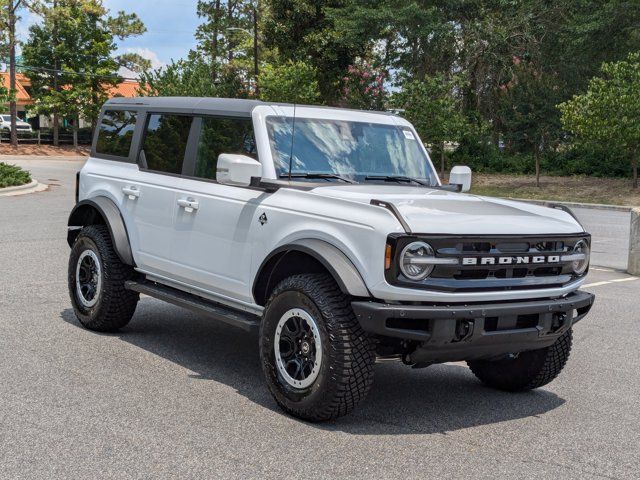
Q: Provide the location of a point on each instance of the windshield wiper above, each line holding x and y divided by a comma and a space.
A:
317, 175
397, 178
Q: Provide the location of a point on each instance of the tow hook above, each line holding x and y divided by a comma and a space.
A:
464, 329
558, 321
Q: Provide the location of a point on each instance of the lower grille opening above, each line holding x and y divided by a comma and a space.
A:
492, 324
527, 321
408, 324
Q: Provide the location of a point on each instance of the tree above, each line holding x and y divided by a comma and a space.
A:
527, 111
307, 30
608, 112
191, 77
363, 87
218, 35
290, 82
70, 57
8, 18
433, 108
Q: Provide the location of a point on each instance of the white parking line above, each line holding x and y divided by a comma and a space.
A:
597, 269
617, 280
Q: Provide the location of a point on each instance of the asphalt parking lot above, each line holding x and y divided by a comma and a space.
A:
175, 395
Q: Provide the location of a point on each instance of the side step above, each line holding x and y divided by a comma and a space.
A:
214, 310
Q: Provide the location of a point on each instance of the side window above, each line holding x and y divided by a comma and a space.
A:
223, 135
165, 142
116, 133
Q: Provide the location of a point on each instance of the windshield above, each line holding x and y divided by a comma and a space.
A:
6, 118
354, 150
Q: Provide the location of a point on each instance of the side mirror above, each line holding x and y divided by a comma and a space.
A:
235, 169
461, 176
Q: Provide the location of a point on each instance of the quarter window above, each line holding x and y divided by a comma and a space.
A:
166, 141
223, 135
116, 133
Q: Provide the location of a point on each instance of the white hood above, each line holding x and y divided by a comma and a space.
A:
428, 210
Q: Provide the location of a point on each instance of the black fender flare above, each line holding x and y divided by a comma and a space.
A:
330, 257
84, 213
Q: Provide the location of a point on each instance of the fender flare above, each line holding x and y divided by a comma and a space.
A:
84, 214
330, 257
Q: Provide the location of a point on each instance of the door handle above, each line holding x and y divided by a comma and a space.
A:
189, 204
132, 192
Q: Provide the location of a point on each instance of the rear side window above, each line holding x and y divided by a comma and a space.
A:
166, 141
116, 132
223, 135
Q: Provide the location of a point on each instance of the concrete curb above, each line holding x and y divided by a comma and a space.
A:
594, 206
32, 187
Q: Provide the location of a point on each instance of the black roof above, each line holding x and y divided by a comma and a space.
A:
203, 105
228, 106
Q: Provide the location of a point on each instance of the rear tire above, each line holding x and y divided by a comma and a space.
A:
317, 360
527, 370
96, 282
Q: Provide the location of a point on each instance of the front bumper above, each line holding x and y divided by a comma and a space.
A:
482, 330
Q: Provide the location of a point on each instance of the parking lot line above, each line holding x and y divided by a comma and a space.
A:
617, 280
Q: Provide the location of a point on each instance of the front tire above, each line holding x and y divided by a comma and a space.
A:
527, 370
317, 360
96, 282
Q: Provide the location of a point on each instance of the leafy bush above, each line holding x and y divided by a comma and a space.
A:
577, 160
13, 176
363, 87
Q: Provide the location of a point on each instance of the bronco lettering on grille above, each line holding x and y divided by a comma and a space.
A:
510, 260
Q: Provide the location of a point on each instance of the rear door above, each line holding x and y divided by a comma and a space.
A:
150, 197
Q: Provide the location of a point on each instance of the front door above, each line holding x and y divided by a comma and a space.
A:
211, 249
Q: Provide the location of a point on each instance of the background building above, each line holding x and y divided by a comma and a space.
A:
127, 88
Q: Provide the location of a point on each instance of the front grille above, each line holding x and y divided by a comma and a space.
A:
492, 263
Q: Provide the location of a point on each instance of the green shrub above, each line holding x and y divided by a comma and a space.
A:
486, 158
13, 176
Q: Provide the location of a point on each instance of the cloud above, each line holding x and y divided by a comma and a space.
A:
143, 52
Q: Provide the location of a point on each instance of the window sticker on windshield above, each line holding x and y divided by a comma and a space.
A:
408, 134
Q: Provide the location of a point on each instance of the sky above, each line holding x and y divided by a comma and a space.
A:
171, 25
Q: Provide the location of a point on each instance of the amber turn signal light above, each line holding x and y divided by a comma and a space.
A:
387, 257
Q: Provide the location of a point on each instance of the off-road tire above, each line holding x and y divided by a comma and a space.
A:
526, 371
115, 305
348, 352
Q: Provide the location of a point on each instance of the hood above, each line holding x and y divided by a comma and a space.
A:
428, 210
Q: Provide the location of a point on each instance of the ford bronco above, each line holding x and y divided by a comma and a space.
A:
329, 234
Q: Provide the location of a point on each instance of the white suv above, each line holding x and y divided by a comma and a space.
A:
21, 126
328, 232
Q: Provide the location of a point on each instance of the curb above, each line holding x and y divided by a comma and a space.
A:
32, 187
594, 206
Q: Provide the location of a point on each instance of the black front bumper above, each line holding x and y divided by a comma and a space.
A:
457, 332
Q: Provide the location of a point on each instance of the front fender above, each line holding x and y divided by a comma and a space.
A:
332, 259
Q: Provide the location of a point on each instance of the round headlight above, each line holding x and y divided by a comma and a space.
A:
416, 260
580, 264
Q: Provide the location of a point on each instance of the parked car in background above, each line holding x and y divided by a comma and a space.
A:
21, 125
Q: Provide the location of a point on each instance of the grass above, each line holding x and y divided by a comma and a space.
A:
12, 176
612, 191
